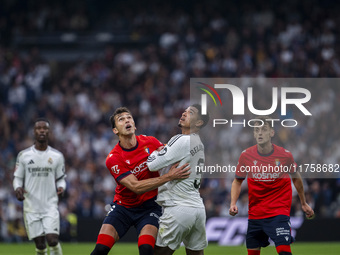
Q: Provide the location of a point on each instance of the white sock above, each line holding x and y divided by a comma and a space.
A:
56, 250
41, 252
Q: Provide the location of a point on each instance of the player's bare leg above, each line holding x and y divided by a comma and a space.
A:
191, 252
147, 240
163, 251
40, 245
106, 239
53, 243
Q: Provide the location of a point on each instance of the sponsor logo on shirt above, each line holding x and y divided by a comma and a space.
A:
115, 169
31, 162
265, 176
140, 168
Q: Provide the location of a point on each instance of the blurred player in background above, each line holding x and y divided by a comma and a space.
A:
270, 191
134, 202
183, 218
39, 178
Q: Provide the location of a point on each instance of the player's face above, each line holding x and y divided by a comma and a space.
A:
125, 124
189, 118
41, 131
263, 134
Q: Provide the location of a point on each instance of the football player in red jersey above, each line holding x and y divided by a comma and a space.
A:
268, 168
134, 201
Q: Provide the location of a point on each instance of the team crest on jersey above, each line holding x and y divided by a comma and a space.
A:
277, 162
50, 161
255, 162
127, 161
147, 150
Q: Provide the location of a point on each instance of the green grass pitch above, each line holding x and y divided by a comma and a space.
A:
213, 249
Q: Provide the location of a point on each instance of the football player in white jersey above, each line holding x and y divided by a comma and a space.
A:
183, 218
39, 178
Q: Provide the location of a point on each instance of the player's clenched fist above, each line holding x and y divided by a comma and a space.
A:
233, 210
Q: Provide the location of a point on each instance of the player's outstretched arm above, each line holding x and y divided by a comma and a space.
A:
297, 181
142, 186
235, 193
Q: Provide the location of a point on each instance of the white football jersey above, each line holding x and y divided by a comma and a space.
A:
40, 170
183, 149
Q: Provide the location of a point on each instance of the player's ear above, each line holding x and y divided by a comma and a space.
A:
115, 131
272, 132
199, 123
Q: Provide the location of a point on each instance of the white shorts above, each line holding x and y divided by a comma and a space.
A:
182, 224
40, 224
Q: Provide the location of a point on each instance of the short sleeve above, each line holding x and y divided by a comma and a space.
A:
291, 162
117, 167
155, 142
60, 171
241, 172
19, 170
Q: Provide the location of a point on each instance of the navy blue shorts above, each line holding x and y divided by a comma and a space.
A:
276, 228
122, 218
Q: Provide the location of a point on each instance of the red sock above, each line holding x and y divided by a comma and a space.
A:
283, 248
146, 239
254, 252
106, 240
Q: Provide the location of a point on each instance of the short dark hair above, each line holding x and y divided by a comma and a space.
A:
42, 119
265, 120
119, 110
204, 118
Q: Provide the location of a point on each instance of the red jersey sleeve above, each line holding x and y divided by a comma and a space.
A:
117, 167
241, 172
291, 162
155, 142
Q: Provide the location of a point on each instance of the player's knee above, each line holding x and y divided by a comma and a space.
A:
40, 246
52, 239
53, 242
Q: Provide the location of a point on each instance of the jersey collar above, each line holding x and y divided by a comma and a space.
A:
133, 148
266, 155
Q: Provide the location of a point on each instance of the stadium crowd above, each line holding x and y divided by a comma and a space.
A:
196, 39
